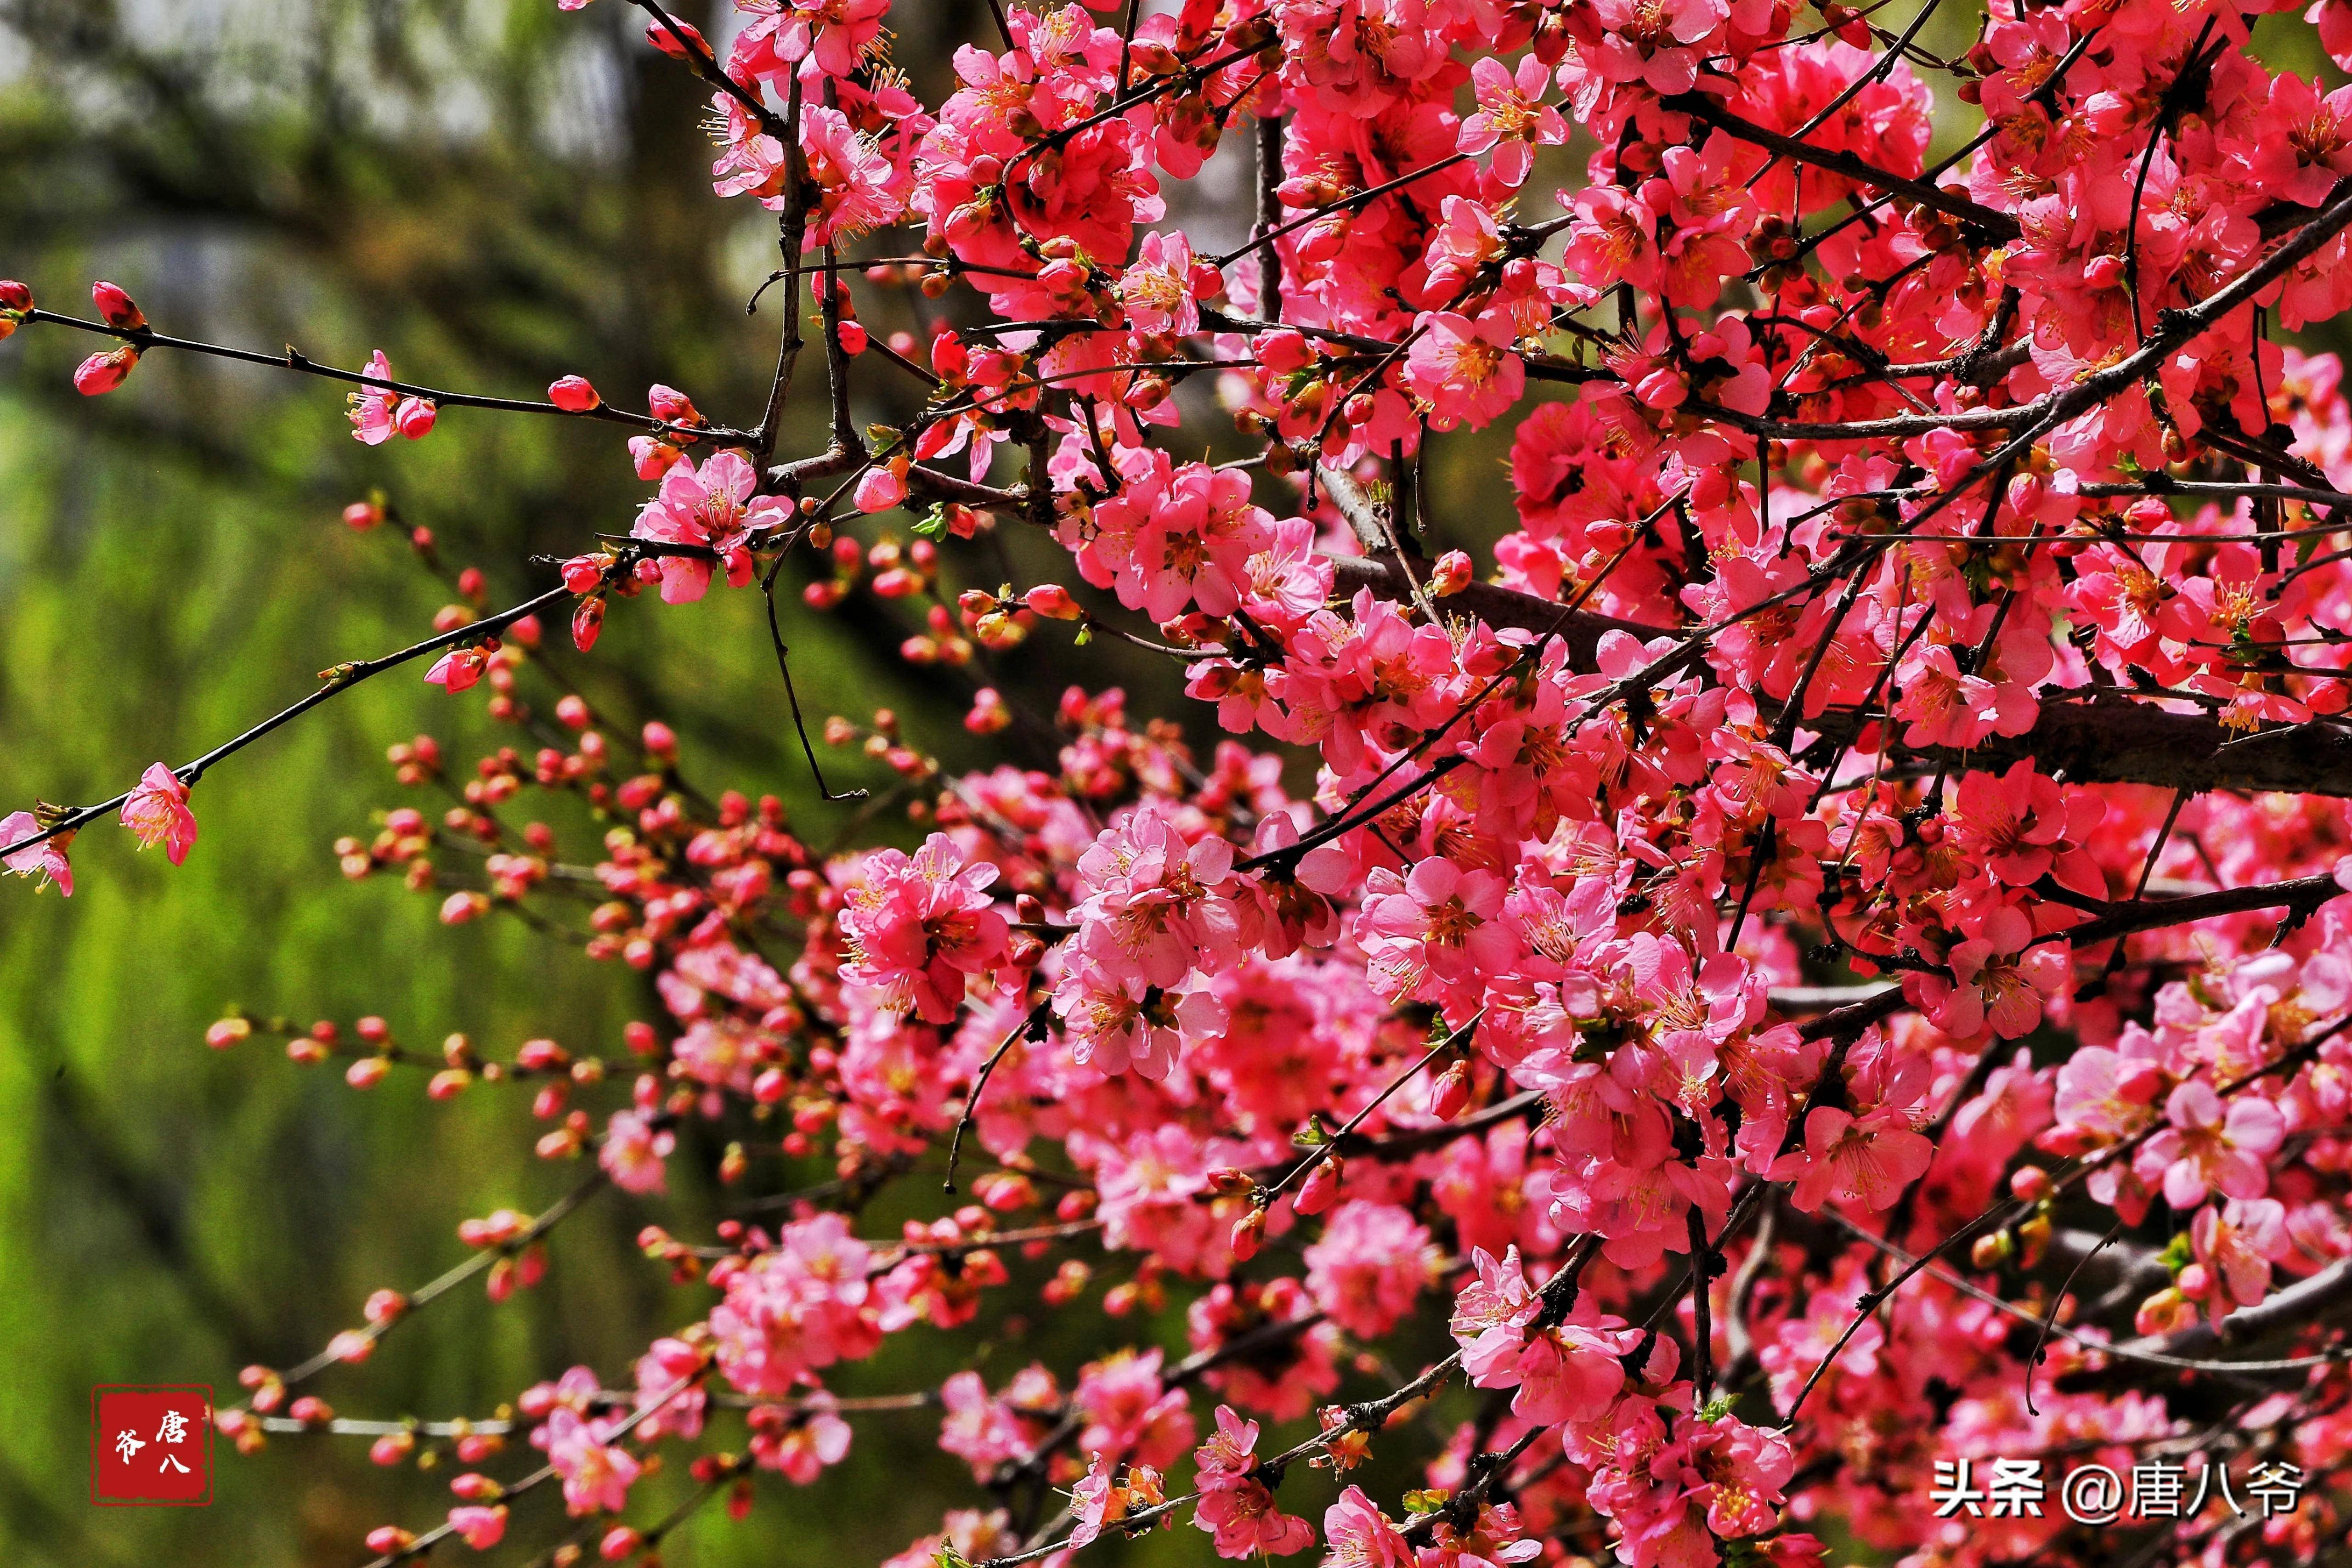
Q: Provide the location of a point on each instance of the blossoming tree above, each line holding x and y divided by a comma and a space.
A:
1819, 962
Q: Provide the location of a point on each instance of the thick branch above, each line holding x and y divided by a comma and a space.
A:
2116, 740
1999, 224
2300, 1304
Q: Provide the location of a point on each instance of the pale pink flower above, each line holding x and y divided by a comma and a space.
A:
46, 860
2209, 1147
1511, 118
596, 1475
1868, 1161
158, 813
480, 1528
633, 1151
1468, 372
379, 413
1157, 289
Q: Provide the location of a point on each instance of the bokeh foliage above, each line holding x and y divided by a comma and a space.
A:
495, 195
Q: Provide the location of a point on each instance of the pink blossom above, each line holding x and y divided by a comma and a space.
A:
596, 1475
158, 813
921, 927
815, 1439
1370, 1263
1866, 1160
1157, 289
1512, 118
1130, 1414
46, 860
634, 1152
1466, 371
2236, 1244
378, 413
1100, 1501
480, 1528
1236, 1508
1360, 1536
2205, 1147
858, 188
1439, 921
713, 512
798, 1308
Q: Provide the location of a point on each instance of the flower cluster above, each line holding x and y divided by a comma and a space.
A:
1826, 961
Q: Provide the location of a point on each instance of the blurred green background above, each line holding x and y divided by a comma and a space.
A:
496, 193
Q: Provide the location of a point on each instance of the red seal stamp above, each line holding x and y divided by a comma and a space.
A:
151, 1447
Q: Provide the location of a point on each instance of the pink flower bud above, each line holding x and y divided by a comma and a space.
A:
540, 1055
1249, 1234
588, 622
414, 416
1054, 602
574, 395
116, 306
226, 1033
652, 457
456, 670
672, 407
582, 573
1451, 575
1282, 352
1065, 278
103, 373
879, 490
367, 1072
363, 515
1450, 1093
659, 34
853, 339
2165, 1312
989, 714
1320, 1188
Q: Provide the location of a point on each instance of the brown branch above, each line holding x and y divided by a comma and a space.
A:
293, 359
2110, 741
334, 681
1999, 226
